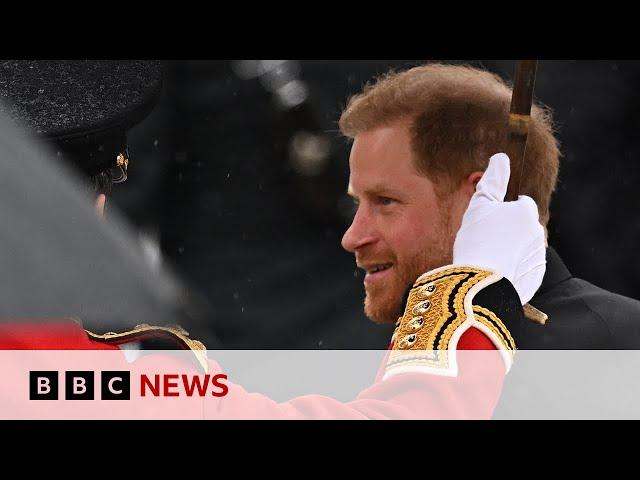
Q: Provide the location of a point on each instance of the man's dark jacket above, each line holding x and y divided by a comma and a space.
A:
581, 315
557, 385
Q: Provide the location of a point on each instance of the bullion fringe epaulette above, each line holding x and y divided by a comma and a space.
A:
178, 335
438, 311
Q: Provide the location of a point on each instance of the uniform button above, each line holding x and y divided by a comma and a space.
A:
408, 341
416, 323
422, 307
426, 290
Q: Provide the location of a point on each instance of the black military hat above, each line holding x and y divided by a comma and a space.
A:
85, 107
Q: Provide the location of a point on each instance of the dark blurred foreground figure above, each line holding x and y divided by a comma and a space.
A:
59, 260
421, 139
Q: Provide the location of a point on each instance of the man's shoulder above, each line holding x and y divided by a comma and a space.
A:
600, 301
601, 318
599, 298
620, 313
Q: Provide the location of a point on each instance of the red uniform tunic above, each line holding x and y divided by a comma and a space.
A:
429, 371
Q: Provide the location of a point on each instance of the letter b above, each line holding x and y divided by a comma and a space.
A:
78, 385
43, 385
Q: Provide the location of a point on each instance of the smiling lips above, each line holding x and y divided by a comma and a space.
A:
375, 271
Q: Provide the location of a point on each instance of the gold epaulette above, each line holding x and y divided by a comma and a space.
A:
175, 333
438, 311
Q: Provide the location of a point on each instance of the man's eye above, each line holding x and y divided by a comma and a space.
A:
385, 201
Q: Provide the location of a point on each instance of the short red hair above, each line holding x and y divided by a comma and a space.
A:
459, 118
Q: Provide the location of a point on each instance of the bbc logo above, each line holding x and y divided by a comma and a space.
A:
79, 385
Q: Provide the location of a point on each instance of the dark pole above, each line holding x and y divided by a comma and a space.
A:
519, 116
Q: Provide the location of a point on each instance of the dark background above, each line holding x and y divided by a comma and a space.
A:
218, 181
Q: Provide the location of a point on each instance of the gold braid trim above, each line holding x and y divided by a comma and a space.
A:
491, 321
434, 311
140, 332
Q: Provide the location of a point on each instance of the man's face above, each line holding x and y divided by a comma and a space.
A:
401, 228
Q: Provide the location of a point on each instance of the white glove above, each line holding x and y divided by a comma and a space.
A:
505, 237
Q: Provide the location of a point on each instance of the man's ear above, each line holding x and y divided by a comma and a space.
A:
470, 183
100, 203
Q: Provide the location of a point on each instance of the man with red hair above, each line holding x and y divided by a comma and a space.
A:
421, 142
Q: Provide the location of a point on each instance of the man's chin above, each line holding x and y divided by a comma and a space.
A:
382, 311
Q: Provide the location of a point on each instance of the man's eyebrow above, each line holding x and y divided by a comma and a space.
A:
380, 190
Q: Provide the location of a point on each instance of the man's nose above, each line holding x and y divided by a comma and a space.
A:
359, 234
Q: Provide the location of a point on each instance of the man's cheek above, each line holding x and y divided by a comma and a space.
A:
387, 292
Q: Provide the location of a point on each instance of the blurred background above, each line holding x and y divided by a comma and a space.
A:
237, 183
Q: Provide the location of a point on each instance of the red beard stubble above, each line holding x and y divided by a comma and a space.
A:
383, 302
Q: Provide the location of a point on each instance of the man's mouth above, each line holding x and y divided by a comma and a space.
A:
376, 272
